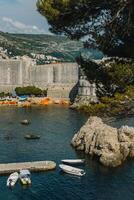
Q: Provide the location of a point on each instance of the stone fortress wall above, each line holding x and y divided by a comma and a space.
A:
60, 79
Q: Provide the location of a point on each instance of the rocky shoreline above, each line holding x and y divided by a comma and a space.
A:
110, 145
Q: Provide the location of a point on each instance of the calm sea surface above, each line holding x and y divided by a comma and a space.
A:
57, 125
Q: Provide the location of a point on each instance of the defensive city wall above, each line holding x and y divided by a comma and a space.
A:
60, 79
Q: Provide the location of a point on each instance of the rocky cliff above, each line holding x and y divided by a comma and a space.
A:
111, 145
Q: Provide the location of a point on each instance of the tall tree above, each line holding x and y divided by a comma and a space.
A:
105, 24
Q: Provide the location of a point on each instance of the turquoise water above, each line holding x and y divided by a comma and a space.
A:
57, 125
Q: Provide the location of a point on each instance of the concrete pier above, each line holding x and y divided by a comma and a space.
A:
32, 166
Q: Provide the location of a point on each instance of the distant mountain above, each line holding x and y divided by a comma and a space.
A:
25, 44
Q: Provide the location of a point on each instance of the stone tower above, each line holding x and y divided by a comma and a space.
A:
86, 90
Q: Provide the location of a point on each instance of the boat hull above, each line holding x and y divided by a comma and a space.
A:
72, 170
11, 181
76, 161
25, 177
25, 181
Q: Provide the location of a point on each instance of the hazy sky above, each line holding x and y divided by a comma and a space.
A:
21, 16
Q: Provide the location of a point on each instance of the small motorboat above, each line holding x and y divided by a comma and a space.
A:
74, 161
25, 122
11, 181
31, 136
72, 170
25, 177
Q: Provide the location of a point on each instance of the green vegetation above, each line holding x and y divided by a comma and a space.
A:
111, 76
119, 104
107, 25
30, 90
3, 94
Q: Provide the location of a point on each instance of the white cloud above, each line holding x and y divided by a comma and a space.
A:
14, 26
24, 11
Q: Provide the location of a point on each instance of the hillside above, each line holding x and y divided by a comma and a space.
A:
25, 44
57, 46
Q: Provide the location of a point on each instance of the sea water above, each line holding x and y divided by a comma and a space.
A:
56, 125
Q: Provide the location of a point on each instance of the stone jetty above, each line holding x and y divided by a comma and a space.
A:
32, 166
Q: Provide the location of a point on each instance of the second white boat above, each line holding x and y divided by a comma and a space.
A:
72, 170
11, 181
73, 161
25, 177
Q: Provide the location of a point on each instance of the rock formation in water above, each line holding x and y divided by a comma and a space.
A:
111, 145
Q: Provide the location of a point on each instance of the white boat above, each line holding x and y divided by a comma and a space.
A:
25, 122
74, 161
11, 181
25, 177
72, 170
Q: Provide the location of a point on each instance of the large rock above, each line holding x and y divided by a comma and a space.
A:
111, 145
